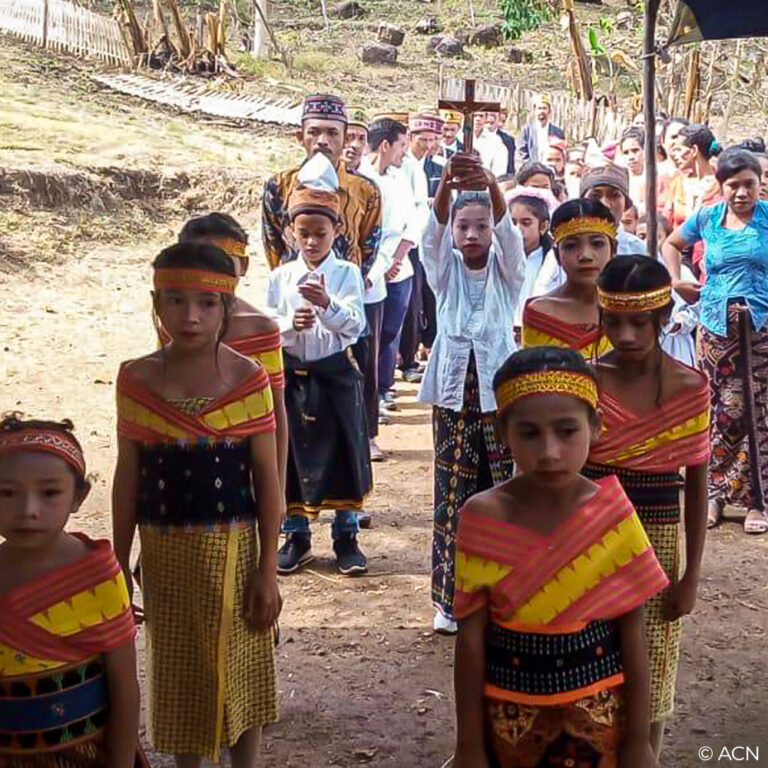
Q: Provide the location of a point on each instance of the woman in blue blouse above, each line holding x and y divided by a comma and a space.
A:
733, 338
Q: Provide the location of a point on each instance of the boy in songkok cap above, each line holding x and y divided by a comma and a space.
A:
317, 300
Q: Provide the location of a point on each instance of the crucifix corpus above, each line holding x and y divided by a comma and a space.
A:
469, 107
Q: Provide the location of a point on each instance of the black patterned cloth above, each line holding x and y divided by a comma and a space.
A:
469, 458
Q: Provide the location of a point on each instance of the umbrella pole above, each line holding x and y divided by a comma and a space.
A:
649, 100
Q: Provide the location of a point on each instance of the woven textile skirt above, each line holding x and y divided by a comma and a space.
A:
210, 677
469, 458
735, 475
656, 497
582, 733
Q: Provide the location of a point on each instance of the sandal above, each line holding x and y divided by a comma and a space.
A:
756, 522
714, 512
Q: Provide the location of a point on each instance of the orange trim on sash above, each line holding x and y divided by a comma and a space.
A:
97, 566
538, 700
542, 629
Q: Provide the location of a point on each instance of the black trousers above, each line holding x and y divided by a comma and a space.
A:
412, 327
366, 353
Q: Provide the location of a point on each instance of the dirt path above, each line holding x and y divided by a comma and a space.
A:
362, 679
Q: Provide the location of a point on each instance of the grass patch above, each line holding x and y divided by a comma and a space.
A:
249, 65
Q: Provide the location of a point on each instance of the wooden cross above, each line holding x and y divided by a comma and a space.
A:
469, 107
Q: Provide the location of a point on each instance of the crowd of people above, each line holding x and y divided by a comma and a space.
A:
579, 378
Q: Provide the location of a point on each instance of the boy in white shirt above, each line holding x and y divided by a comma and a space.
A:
317, 301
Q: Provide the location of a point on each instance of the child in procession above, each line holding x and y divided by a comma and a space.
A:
68, 689
552, 574
474, 261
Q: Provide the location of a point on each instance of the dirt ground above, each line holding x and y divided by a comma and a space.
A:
363, 681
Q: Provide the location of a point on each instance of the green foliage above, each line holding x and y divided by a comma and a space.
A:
523, 16
596, 48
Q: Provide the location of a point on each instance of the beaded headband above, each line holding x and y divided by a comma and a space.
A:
194, 280
578, 385
53, 441
585, 225
635, 301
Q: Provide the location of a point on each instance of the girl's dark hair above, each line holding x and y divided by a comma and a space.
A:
214, 224
532, 168
756, 145
540, 359
580, 208
465, 199
203, 256
633, 132
637, 272
14, 421
195, 255
540, 212
700, 135
735, 161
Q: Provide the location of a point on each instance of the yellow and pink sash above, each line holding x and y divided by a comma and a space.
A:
543, 330
598, 565
671, 436
66, 615
144, 416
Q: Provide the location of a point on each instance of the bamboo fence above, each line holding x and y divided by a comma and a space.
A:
61, 25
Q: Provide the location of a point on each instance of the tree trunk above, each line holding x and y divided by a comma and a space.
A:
260, 47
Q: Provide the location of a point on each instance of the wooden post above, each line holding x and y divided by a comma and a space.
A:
45, 23
324, 9
649, 94
260, 46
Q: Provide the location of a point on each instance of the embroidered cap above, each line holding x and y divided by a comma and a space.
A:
324, 106
316, 189
398, 117
358, 117
425, 121
606, 176
449, 116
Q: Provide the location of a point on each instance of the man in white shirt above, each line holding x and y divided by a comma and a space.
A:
425, 131
489, 145
392, 270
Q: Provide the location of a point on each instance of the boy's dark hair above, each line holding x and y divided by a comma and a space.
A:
734, 161
471, 198
662, 221
532, 168
14, 421
214, 224
540, 359
195, 255
540, 211
701, 136
381, 130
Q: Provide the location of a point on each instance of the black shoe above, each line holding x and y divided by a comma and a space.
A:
349, 559
295, 553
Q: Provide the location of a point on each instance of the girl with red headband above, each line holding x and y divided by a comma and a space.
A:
68, 689
197, 473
